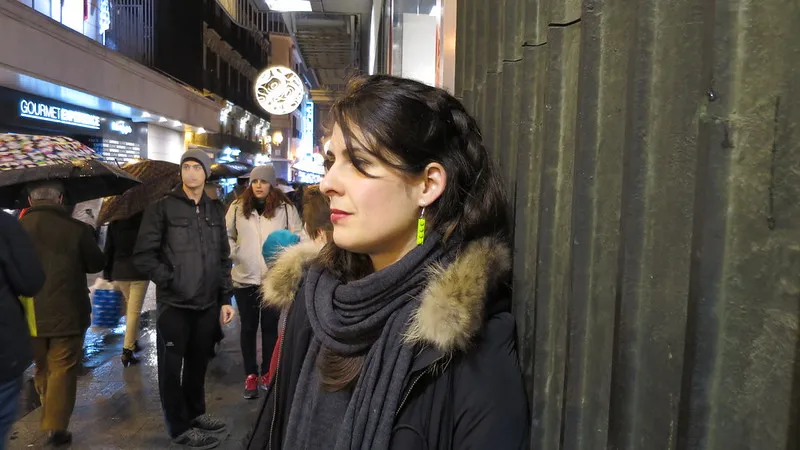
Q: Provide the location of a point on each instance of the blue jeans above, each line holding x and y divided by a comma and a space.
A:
9, 401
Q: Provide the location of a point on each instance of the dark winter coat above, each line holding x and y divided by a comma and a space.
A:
68, 251
183, 247
120, 242
465, 389
21, 274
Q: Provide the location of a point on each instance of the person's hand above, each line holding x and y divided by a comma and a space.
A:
226, 314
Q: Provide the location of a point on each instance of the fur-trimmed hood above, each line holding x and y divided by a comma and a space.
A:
451, 311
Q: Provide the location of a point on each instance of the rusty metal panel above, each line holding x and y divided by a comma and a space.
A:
490, 125
480, 104
537, 19
482, 18
495, 35
461, 48
565, 12
513, 29
657, 218
470, 45
469, 101
554, 236
744, 389
510, 124
527, 203
652, 152
602, 129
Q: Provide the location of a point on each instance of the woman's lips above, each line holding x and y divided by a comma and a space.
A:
338, 215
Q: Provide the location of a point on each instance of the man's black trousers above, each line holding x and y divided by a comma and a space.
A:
185, 338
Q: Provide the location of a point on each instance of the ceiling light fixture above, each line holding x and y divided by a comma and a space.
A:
162, 119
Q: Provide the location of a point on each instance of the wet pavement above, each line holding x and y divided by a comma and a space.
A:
119, 408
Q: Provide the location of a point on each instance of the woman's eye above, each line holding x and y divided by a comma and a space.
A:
358, 162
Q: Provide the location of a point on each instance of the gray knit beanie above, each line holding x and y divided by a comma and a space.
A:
265, 172
199, 156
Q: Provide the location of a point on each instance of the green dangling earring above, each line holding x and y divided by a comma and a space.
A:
421, 227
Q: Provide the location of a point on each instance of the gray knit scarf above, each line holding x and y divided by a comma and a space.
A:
372, 315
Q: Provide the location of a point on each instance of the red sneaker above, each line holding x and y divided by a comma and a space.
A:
263, 382
251, 387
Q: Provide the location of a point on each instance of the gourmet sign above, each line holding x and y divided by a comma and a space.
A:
40, 111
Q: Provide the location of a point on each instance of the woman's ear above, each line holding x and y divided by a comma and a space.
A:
435, 180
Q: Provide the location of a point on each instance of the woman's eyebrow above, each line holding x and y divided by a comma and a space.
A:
360, 151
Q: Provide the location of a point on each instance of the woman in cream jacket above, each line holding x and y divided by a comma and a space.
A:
259, 211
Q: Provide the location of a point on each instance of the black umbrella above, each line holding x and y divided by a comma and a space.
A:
25, 159
232, 169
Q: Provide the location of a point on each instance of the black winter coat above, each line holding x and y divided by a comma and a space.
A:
465, 389
120, 242
21, 274
183, 247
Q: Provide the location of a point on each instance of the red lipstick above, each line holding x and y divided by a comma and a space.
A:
338, 215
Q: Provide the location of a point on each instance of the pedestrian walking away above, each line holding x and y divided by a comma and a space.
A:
120, 242
21, 275
261, 210
183, 247
398, 333
68, 251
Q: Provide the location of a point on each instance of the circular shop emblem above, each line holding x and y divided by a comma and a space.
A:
279, 90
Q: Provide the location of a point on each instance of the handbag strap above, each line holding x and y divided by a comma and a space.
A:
286, 210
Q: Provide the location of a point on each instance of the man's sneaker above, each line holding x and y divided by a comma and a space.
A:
263, 382
196, 439
209, 424
251, 387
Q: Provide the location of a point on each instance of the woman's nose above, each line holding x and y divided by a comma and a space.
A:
329, 184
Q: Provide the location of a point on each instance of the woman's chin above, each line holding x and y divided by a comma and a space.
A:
347, 241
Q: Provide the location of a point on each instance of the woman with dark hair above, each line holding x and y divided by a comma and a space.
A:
261, 209
318, 226
317, 215
398, 334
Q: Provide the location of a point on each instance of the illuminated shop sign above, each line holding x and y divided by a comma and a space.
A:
41, 111
279, 90
121, 127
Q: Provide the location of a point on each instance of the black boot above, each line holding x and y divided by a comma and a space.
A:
59, 439
128, 358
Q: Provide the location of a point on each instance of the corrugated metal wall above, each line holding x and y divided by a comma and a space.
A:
652, 149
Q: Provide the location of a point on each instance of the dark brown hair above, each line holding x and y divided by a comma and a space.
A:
275, 198
316, 212
408, 125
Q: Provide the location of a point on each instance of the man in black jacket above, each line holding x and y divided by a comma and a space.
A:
21, 274
183, 247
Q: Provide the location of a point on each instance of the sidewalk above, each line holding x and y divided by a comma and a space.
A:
119, 408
